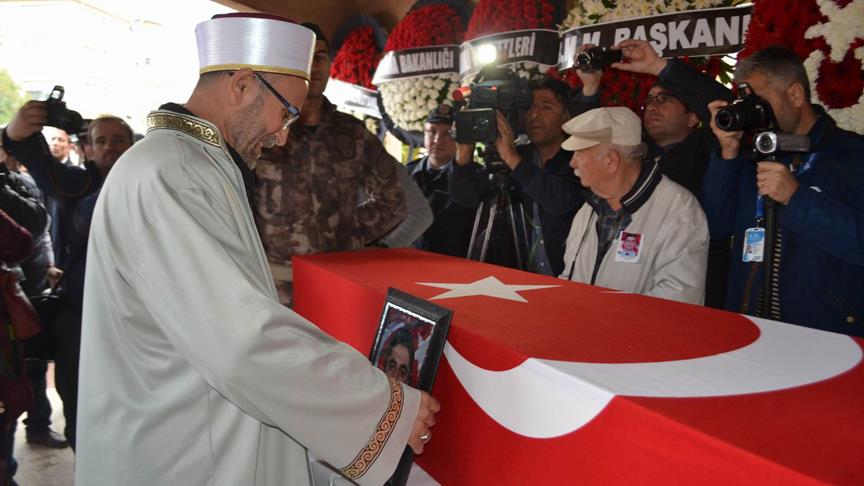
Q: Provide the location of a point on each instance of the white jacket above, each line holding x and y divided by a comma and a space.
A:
673, 252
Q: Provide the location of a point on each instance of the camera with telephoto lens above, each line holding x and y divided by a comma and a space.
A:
748, 113
478, 123
59, 116
597, 58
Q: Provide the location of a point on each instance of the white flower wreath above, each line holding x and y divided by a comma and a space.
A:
597, 11
409, 101
843, 26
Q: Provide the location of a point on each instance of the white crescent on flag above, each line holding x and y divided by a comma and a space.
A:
548, 398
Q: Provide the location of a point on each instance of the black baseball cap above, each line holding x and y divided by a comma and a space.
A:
442, 114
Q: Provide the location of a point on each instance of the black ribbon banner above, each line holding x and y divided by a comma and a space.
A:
353, 97
420, 61
536, 45
689, 33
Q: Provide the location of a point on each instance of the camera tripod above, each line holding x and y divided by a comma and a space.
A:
768, 145
498, 203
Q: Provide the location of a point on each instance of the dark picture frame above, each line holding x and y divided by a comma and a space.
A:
408, 346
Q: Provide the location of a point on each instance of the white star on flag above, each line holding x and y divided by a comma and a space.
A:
489, 286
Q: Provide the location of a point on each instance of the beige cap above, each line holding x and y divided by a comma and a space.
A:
617, 124
260, 42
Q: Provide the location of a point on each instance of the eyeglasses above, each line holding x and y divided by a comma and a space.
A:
293, 112
659, 98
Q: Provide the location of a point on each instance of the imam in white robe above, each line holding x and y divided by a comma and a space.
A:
191, 371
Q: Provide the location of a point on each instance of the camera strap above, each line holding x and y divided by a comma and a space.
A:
798, 168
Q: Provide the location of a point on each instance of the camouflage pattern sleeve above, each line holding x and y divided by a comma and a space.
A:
386, 206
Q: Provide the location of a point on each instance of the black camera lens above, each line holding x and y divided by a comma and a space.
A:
583, 60
597, 58
727, 119
748, 113
744, 116
766, 142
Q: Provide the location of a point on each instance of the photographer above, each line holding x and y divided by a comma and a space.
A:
676, 115
676, 124
76, 191
550, 192
819, 243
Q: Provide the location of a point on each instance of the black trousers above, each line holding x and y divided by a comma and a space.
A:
719, 264
39, 415
67, 334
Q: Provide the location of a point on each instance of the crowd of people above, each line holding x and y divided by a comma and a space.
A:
174, 272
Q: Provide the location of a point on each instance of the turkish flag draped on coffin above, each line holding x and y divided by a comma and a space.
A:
548, 380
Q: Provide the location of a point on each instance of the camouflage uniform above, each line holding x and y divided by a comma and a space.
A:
306, 194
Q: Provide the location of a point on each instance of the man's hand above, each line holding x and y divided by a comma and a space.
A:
730, 142
642, 56
425, 420
29, 120
54, 275
590, 78
504, 143
464, 153
774, 180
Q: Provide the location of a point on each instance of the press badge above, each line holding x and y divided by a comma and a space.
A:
628, 248
754, 245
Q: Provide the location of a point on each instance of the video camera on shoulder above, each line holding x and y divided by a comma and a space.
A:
508, 94
597, 58
59, 116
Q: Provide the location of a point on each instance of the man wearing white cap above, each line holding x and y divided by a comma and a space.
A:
639, 232
192, 373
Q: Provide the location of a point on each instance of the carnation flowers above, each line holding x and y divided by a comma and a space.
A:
408, 98
357, 58
498, 16
829, 36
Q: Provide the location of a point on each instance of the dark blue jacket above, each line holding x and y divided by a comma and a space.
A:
822, 258
554, 187
450, 231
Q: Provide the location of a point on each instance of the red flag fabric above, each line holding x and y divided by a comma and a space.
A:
546, 380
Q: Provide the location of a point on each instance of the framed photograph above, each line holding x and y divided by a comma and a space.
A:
408, 347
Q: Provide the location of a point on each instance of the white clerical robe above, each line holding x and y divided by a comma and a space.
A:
191, 371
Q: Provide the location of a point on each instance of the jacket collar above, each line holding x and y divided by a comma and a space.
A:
649, 177
423, 166
824, 123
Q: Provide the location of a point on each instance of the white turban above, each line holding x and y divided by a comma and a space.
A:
259, 42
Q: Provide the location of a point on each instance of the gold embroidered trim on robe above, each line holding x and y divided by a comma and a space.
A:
370, 453
191, 126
